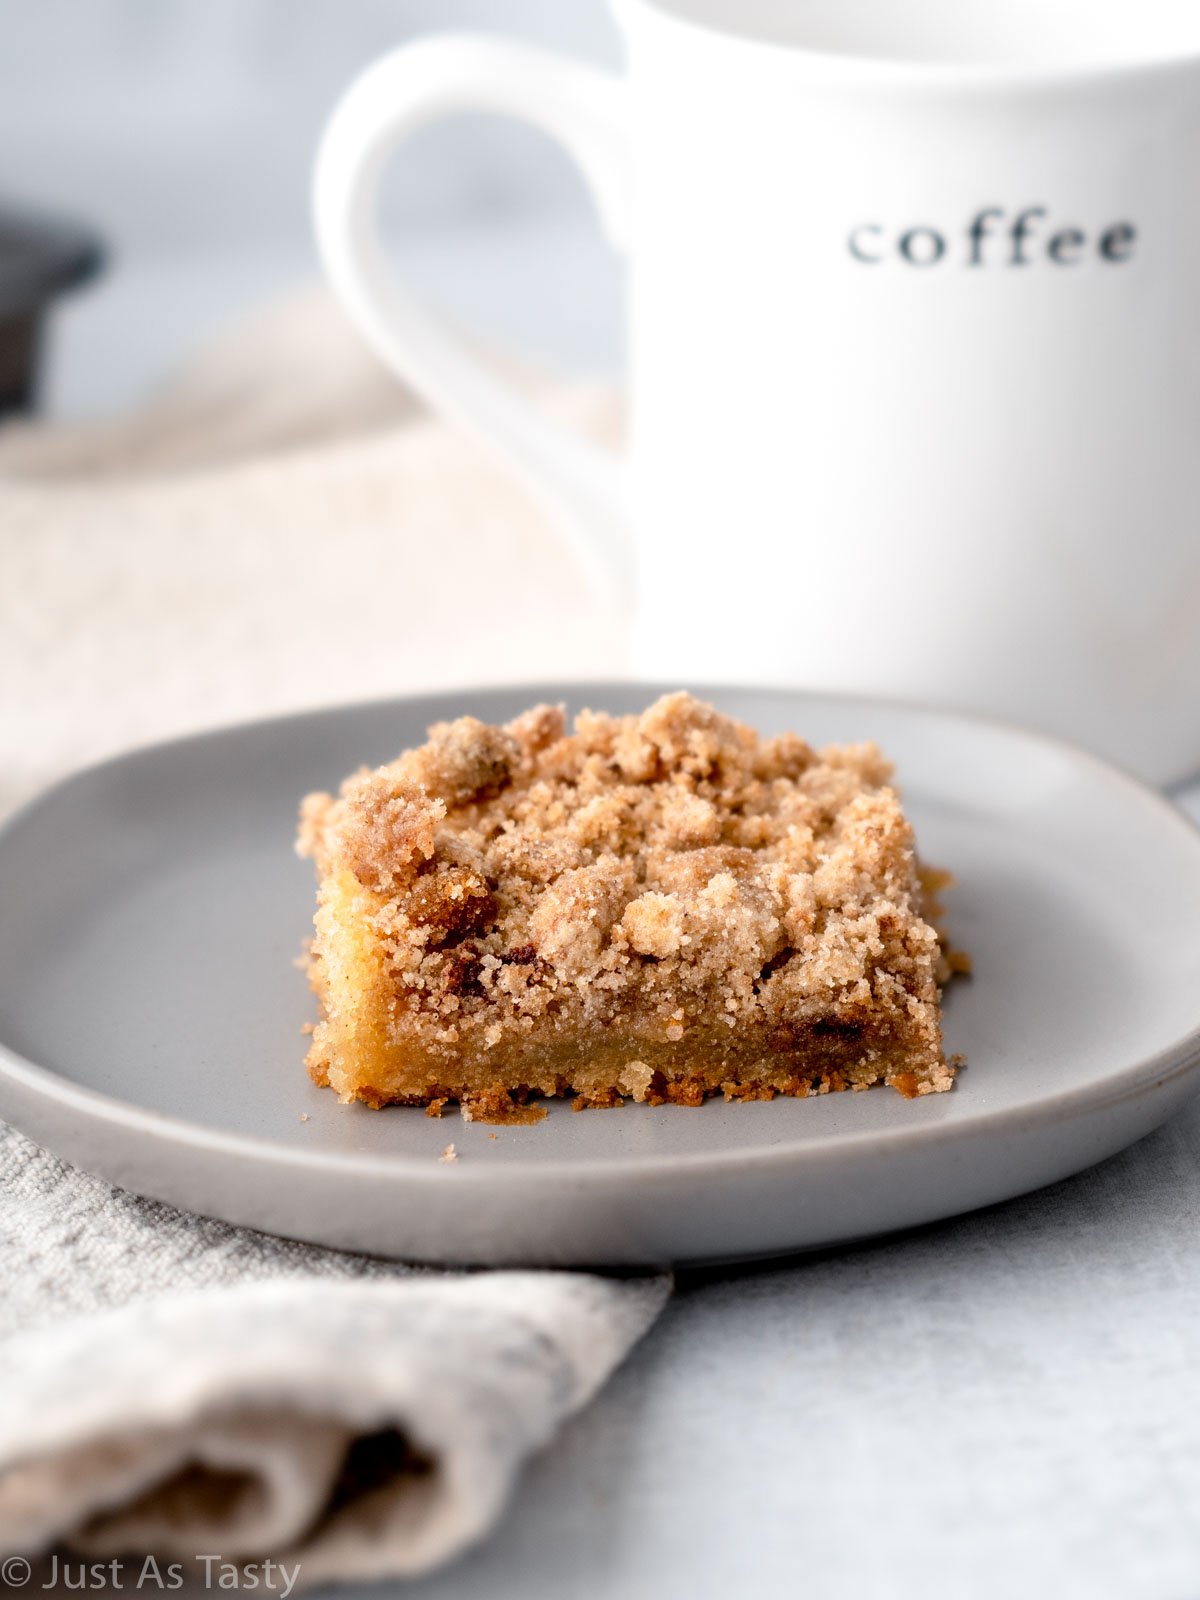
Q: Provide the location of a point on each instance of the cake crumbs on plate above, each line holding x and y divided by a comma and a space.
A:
449, 1154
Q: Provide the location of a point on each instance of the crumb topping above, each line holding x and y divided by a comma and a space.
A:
671, 865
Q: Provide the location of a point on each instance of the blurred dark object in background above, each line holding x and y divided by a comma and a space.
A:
40, 258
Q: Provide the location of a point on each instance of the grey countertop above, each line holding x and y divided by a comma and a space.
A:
1001, 1405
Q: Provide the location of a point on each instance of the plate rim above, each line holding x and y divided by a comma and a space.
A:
1167, 1065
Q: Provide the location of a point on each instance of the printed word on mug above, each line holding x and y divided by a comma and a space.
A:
994, 237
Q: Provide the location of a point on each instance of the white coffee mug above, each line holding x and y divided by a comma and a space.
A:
914, 351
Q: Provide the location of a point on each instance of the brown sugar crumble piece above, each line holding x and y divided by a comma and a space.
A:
661, 907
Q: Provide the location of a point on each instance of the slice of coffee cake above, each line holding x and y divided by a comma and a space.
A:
663, 906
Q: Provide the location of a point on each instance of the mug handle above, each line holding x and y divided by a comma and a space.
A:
581, 107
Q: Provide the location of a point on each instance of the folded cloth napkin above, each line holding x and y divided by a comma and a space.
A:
337, 543
286, 527
180, 1387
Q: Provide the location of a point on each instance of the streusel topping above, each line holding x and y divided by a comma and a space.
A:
672, 864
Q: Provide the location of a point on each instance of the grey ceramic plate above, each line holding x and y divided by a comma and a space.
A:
151, 911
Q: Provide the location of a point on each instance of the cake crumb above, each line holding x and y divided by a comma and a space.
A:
449, 1154
500, 1105
607, 1099
304, 1116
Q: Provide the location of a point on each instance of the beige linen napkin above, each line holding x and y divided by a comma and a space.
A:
285, 527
